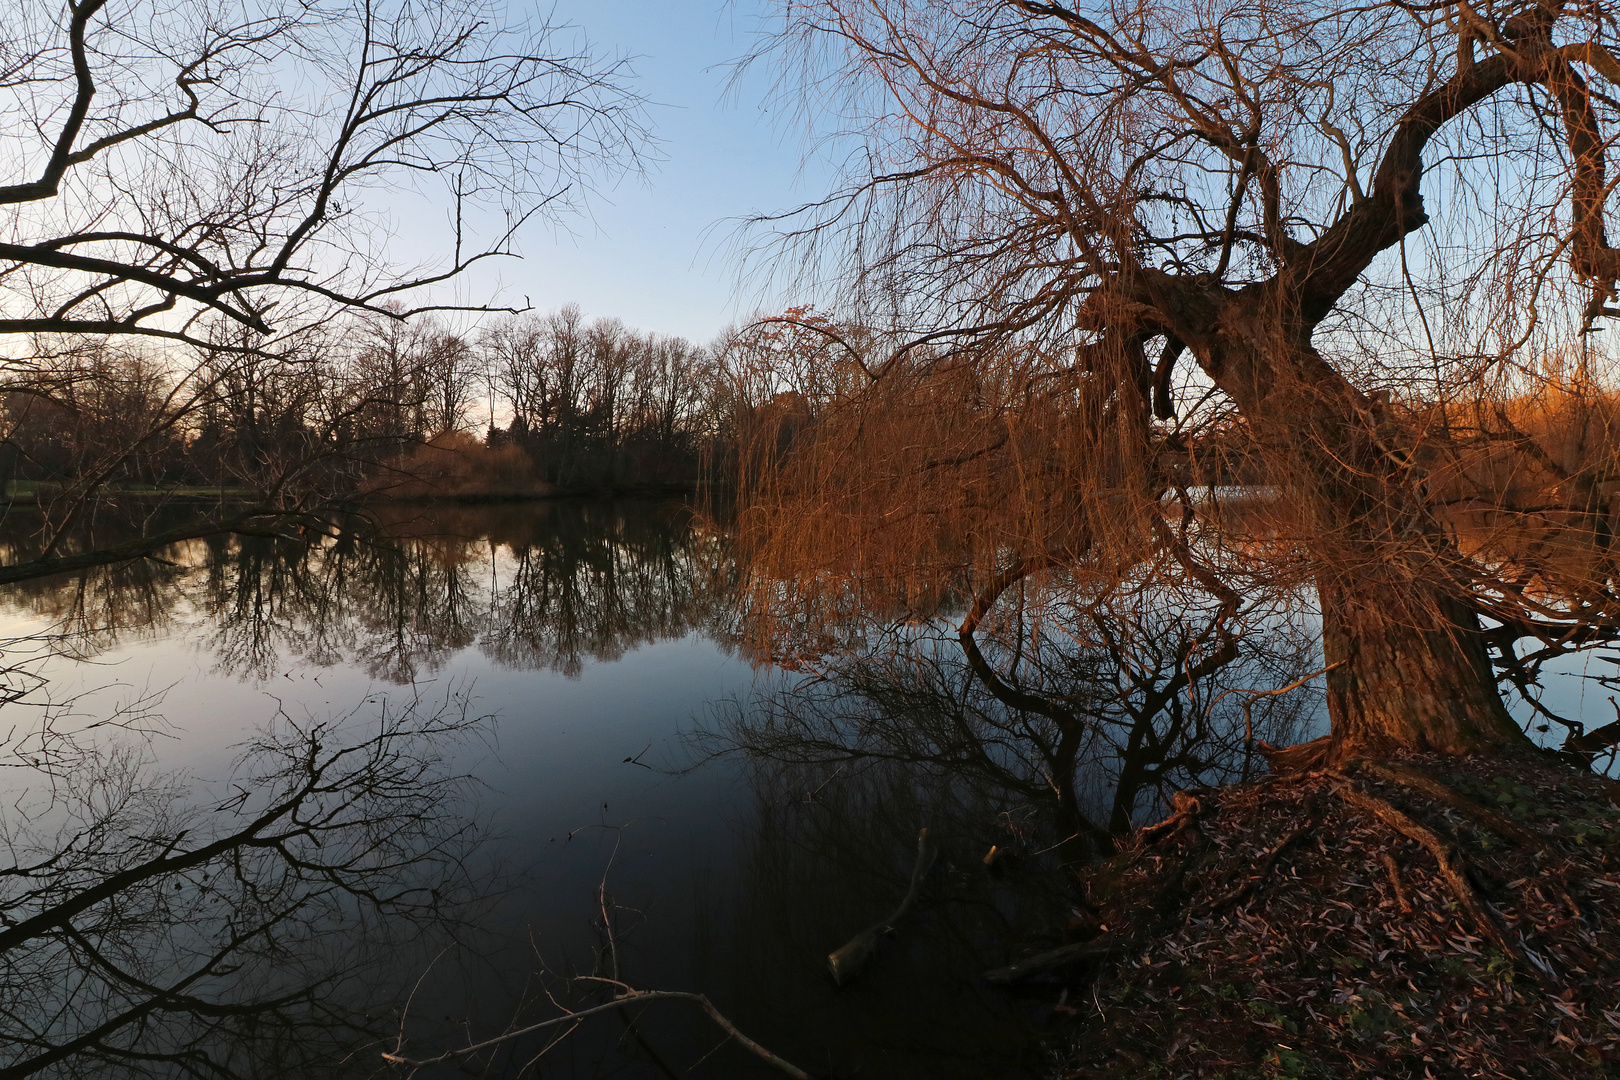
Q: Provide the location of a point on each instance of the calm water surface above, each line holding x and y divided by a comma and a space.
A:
597, 643
631, 763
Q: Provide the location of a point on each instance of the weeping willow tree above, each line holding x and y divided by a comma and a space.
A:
1280, 292
923, 481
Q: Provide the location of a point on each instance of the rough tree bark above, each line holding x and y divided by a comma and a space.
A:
1412, 671
1407, 660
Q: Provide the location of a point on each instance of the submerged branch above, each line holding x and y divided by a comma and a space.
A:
847, 961
630, 996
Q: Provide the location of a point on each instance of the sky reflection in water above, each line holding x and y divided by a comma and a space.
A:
601, 652
745, 820
590, 634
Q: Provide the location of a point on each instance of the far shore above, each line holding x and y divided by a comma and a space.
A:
23, 496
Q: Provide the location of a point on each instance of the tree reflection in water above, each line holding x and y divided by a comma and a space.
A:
1044, 725
1057, 716
1073, 710
262, 931
274, 930
399, 591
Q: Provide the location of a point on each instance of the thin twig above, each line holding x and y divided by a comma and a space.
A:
1237, 894
629, 997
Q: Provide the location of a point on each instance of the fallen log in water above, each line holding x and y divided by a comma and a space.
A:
1060, 957
847, 961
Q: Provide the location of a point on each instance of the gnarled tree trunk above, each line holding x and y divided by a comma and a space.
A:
1408, 667
1411, 671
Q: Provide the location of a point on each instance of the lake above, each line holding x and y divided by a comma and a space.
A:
549, 743
592, 652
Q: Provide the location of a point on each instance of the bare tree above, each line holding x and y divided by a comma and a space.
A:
148, 933
210, 177
673, 384
596, 403
173, 161
1325, 251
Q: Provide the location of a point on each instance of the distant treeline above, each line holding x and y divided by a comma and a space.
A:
539, 403
525, 404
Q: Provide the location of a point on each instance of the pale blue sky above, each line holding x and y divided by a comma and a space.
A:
654, 250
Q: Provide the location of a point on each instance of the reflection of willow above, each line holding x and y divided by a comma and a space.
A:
535, 586
146, 932
1044, 726
1081, 709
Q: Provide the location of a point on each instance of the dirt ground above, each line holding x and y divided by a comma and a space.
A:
1416, 917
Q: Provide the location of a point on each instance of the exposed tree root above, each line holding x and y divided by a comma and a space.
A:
1451, 870
1253, 954
1398, 773
1185, 810
1301, 758
1394, 873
